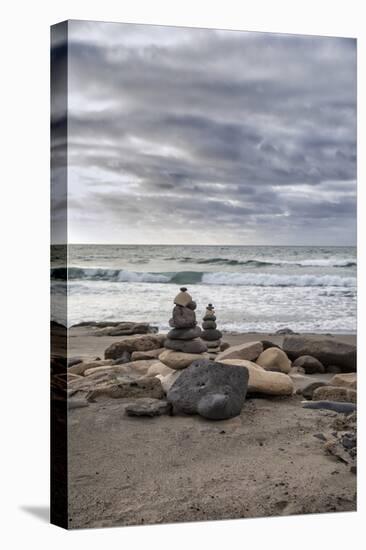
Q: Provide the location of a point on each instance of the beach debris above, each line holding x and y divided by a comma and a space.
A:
310, 364
274, 359
327, 351
143, 342
210, 389
210, 334
248, 351
262, 381
147, 406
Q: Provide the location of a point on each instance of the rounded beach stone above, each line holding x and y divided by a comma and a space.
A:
263, 381
183, 298
159, 368
274, 359
186, 346
335, 393
345, 380
213, 344
185, 333
310, 364
183, 317
208, 324
210, 317
177, 360
211, 334
248, 351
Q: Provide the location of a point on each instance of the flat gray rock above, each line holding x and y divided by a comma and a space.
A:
148, 407
185, 333
211, 334
186, 346
208, 324
210, 389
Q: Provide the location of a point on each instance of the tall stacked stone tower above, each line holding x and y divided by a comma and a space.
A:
210, 334
183, 343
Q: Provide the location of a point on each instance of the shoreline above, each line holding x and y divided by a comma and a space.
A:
82, 341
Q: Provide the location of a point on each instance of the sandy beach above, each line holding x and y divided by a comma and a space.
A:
265, 462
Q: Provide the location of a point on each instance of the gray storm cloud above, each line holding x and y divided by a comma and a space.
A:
201, 136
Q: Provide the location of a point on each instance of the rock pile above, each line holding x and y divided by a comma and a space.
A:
210, 334
183, 344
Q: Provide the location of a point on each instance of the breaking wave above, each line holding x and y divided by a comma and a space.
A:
201, 277
324, 262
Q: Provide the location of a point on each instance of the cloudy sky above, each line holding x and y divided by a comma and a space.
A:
183, 135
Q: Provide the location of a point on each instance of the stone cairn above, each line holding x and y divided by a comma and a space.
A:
183, 344
210, 334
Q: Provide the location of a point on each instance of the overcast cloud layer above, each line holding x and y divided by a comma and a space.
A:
199, 136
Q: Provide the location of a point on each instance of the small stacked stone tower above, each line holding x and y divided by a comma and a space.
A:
210, 334
183, 343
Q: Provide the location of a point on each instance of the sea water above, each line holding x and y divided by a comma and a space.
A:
253, 288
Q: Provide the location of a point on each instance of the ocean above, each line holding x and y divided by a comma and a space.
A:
253, 288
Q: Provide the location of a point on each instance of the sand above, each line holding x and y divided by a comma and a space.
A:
266, 462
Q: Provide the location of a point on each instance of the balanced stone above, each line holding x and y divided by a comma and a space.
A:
209, 318
211, 334
184, 333
213, 344
183, 343
208, 324
183, 298
186, 346
183, 317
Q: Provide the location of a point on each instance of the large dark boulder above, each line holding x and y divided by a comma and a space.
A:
327, 351
185, 333
186, 346
210, 389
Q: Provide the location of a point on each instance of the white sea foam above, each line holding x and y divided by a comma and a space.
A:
269, 279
